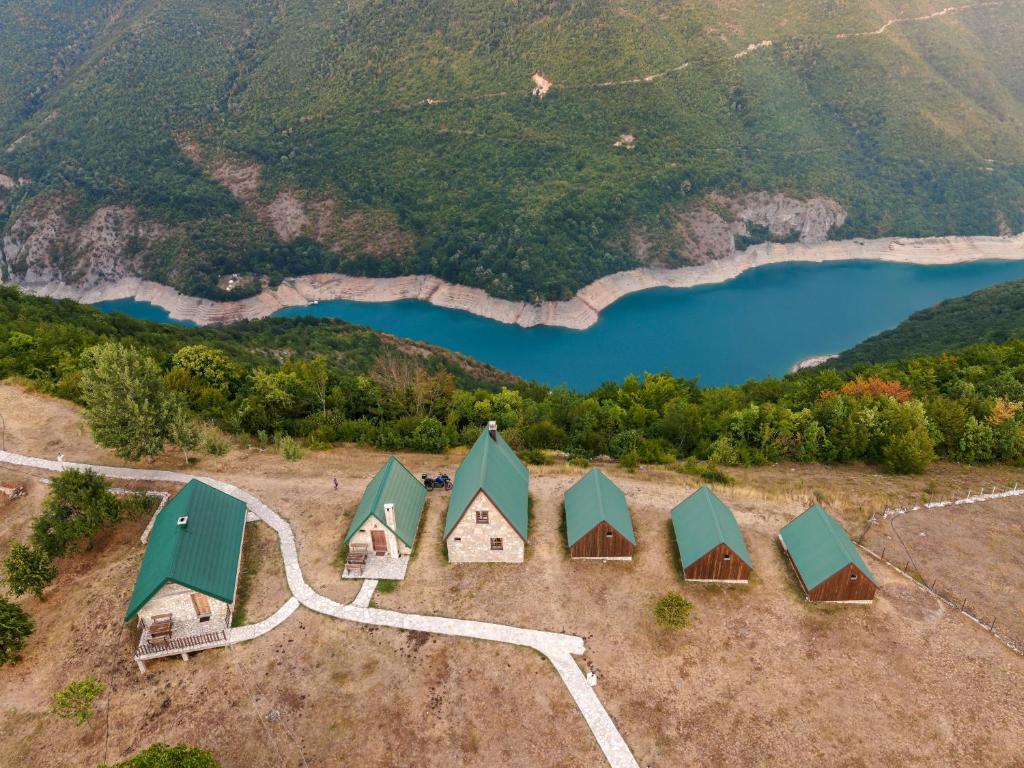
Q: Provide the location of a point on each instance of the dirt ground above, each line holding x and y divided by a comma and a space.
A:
972, 553
760, 677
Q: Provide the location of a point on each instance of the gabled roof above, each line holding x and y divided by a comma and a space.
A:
701, 523
393, 484
819, 547
202, 555
491, 466
593, 499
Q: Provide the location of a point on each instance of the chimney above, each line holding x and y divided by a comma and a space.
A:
389, 514
492, 429
183, 521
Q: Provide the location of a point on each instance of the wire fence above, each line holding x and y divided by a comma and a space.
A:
943, 592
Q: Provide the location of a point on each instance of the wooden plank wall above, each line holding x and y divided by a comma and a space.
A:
842, 587
598, 543
715, 567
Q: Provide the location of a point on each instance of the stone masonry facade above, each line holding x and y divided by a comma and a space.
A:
471, 542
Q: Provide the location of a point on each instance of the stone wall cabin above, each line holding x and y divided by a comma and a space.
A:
827, 563
385, 524
597, 520
711, 545
185, 590
488, 513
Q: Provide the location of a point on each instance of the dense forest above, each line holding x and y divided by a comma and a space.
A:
414, 124
191, 384
993, 314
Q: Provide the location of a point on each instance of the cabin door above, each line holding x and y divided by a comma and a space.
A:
380, 542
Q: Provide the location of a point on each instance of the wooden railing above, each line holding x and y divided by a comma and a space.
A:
150, 650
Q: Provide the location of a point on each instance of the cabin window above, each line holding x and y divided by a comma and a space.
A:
496, 545
458, 538
727, 556
608, 535
853, 577
481, 516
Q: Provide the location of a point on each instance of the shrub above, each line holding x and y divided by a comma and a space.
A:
429, 436
78, 505
214, 443
534, 456
15, 627
163, 756
74, 701
27, 569
289, 448
673, 611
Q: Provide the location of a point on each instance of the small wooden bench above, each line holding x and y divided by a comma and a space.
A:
161, 628
356, 560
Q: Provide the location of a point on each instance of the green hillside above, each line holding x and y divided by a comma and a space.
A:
407, 135
320, 383
993, 314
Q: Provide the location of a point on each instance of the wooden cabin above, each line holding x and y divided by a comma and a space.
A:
489, 509
827, 563
385, 524
597, 520
185, 591
711, 546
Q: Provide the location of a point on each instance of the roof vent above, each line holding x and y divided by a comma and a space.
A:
183, 521
492, 429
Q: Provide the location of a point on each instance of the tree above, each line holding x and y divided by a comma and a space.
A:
28, 569
79, 504
182, 431
209, 366
15, 627
128, 406
74, 701
163, 756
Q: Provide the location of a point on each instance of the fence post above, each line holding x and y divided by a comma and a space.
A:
963, 606
882, 556
991, 626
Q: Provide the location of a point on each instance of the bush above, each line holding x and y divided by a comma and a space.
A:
289, 448
74, 701
534, 456
27, 569
163, 756
78, 505
214, 443
429, 436
15, 627
673, 611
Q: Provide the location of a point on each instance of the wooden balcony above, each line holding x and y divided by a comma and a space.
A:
173, 638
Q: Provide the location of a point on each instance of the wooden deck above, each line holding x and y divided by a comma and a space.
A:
179, 645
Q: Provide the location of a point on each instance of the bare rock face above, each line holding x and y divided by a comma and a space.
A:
709, 231
41, 246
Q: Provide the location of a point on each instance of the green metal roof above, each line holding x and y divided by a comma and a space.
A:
593, 499
701, 523
819, 547
491, 466
393, 484
201, 555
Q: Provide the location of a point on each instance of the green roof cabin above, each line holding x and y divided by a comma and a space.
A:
489, 509
827, 563
383, 530
711, 546
597, 521
185, 590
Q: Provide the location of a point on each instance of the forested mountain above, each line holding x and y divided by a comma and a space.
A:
526, 148
993, 314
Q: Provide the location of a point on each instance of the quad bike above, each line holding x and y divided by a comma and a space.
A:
440, 481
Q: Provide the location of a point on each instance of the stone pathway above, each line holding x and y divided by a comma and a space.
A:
558, 648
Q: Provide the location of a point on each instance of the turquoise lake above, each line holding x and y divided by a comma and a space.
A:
756, 325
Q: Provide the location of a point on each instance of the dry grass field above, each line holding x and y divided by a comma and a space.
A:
760, 677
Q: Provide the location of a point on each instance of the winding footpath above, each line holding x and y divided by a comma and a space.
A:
558, 648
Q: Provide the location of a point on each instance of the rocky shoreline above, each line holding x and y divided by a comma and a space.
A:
580, 312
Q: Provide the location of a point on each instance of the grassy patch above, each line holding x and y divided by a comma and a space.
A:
251, 558
387, 586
